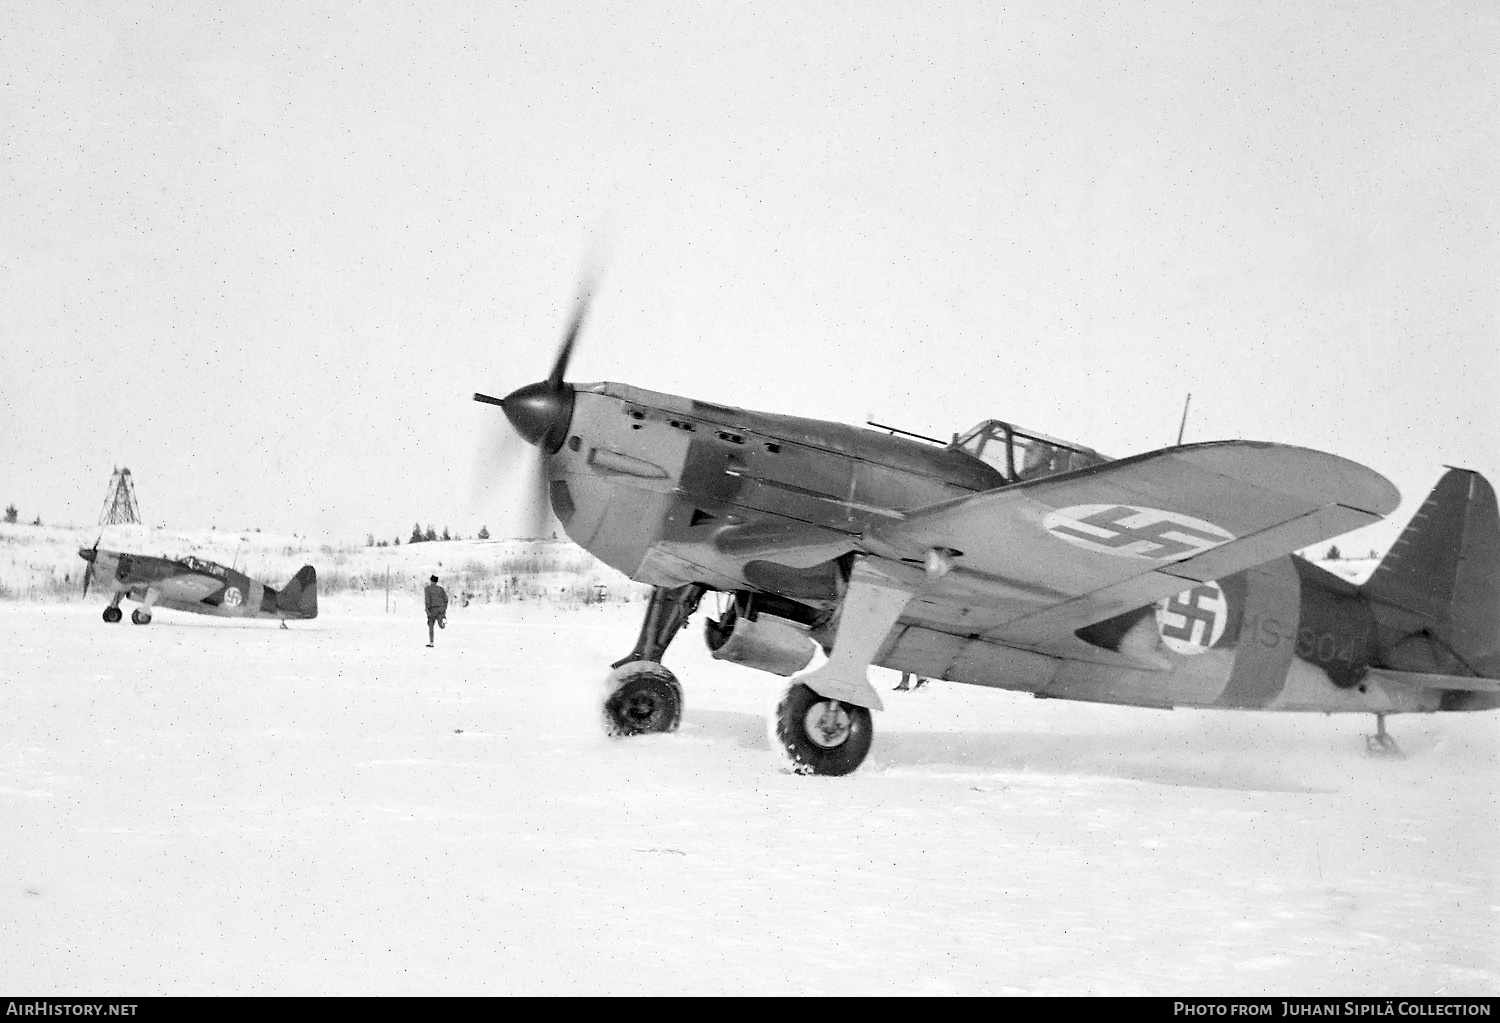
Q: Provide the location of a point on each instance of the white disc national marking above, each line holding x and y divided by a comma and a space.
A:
1194, 619
232, 596
1130, 531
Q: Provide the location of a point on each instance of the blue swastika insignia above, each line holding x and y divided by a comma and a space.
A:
1192, 611
1193, 620
1160, 538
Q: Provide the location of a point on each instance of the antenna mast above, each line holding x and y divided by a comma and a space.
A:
1183, 425
119, 504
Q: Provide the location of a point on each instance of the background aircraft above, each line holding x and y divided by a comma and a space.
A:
193, 584
1009, 559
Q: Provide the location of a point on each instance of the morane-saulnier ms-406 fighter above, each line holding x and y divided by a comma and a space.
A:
193, 584
1008, 559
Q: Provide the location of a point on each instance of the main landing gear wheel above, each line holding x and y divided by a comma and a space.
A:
141, 616
643, 698
822, 736
113, 614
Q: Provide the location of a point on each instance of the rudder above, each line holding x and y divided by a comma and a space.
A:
299, 598
1436, 595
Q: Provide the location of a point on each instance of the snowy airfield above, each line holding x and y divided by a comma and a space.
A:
210, 807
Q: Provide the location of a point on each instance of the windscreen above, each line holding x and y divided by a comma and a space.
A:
1022, 455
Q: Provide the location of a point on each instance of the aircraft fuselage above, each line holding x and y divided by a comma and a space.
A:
673, 491
191, 584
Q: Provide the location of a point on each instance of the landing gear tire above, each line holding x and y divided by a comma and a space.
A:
113, 614
822, 736
140, 616
643, 698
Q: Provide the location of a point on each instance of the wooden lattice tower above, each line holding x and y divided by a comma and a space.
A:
119, 504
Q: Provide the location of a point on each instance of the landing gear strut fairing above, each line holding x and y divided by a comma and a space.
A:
1009, 559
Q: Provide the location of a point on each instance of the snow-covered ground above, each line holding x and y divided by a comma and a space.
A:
205, 806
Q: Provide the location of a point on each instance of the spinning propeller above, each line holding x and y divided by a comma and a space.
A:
540, 414
89, 554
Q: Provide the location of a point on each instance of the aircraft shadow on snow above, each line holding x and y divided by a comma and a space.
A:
1132, 758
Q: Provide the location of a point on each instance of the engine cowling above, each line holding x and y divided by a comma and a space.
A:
764, 642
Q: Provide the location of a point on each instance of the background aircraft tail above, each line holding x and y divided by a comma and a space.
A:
1436, 595
299, 598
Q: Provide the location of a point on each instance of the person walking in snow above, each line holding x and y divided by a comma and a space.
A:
437, 608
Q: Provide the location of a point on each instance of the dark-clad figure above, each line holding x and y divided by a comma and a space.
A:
437, 608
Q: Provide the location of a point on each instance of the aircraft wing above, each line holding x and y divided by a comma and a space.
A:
1028, 564
188, 587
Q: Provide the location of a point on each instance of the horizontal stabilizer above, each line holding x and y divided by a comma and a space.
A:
1426, 680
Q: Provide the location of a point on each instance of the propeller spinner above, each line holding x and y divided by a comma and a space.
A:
540, 412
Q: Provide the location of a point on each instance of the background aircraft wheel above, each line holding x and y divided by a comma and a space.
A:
643, 698
113, 614
140, 617
822, 736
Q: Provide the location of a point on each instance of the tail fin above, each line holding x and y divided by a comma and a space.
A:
299, 598
1436, 596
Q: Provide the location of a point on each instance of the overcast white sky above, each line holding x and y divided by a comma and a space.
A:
263, 254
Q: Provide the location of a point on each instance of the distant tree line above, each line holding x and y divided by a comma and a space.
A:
420, 535
11, 513
1334, 554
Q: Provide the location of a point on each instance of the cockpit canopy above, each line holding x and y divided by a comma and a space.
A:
202, 565
1024, 454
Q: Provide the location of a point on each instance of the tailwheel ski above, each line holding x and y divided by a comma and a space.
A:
1381, 744
642, 698
818, 735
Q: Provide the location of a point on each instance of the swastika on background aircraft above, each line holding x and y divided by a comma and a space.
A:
1162, 537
